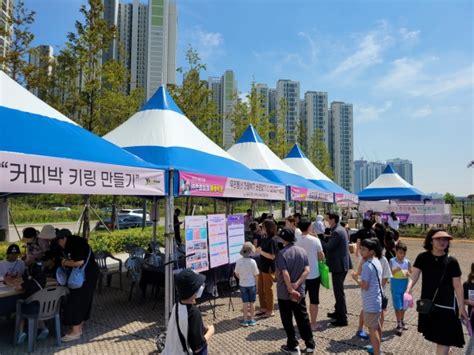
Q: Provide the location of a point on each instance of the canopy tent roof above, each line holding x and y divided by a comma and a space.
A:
298, 161
252, 151
42, 151
161, 134
390, 186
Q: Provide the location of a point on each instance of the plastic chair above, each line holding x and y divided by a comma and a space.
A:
49, 300
134, 267
101, 259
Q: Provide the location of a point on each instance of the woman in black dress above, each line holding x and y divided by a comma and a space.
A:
441, 271
77, 309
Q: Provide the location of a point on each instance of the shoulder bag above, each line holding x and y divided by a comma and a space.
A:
77, 277
425, 306
384, 299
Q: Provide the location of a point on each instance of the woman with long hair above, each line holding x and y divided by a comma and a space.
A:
441, 284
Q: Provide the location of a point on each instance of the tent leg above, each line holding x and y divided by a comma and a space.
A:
169, 249
154, 212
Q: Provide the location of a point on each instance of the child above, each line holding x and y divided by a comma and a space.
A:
12, 267
401, 269
370, 284
246, 270
186, 332
469, 302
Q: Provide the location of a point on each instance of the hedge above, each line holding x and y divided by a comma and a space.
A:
113, 242
49, 216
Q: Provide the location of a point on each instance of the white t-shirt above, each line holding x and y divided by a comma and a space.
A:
313, 246
386, 272
15, 267
298, 233
246, 269
393, 224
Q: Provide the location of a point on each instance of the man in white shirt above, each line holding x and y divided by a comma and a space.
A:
12, 267
314, 250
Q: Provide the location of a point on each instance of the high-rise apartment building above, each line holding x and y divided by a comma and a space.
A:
403, 167
224, 94
290, 90
263, 92
145, 42
41, 57
5, 12
365, 172
341, 148
316, 115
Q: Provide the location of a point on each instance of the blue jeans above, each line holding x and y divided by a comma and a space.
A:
248, 294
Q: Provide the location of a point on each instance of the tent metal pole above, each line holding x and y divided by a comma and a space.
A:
155, 214
169, 248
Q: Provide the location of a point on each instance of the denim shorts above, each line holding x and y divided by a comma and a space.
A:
248, 294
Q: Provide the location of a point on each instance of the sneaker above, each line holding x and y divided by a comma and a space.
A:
43, 334
287, 350
308, 351
251, 323
21, 338
244, 323
339, 323
363, 335
399, 330
369, 349
404, 326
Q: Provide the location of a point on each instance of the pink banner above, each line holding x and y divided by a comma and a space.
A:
346, 198
193, 184
304, 194
23, 173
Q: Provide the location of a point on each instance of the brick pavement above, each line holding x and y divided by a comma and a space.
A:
121, 327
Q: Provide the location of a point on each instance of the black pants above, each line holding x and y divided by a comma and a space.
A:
289, 308
338, 285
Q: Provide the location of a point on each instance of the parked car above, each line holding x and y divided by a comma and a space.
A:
124, 222
61, 208
134, 212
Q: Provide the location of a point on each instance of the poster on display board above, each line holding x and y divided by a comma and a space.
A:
195, 229
236, 233
217, 229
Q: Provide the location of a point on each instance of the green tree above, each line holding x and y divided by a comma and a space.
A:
257, 115
194, 98
279, 144
16, 27
301, 134
318, 154
240, 117
450, 199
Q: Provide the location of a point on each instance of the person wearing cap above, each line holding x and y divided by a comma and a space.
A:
440, 283
12, 266
37, 244
186, 332
292, 269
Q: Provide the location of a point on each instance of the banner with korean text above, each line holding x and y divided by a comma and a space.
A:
193, 184
24, 173
236, 232
195, 229
304, 194
217, 230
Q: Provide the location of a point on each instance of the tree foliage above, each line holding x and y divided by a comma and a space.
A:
16, 27
194, 98
449, 198
279, 144
318, 154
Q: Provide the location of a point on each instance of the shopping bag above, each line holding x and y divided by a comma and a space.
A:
324, 274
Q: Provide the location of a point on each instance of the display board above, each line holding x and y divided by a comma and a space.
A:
195, 228
218, 252
236, 233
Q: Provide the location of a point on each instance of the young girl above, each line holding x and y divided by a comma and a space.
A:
401, 270
370, 284
246, 270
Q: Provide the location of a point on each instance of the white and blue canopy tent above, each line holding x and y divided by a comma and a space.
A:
298, 161
161, 134
252, 151
391, 186
42, 151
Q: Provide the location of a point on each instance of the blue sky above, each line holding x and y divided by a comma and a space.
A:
407, 66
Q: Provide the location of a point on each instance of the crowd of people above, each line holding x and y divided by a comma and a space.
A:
289, 256
47, 251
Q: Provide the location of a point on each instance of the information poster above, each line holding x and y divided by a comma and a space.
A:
236, 232
196, 243
218, 252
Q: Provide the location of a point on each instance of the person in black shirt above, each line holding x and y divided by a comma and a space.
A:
177, 226
186, 329
441, 283
365, 233
469, 302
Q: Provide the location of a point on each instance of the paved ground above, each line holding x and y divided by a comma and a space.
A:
121, 327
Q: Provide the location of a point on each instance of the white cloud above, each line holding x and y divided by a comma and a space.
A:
409, 36
422, 112
208, 44
369, 113
368, 53
409, 76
